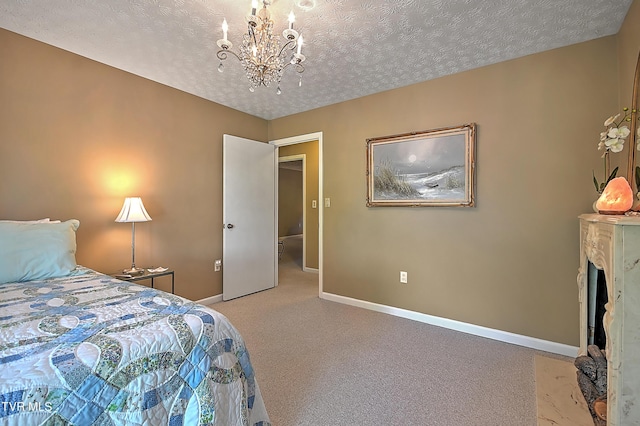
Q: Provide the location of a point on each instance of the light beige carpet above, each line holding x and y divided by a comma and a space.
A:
323, 363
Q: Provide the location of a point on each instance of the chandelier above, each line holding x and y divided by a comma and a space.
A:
260, 53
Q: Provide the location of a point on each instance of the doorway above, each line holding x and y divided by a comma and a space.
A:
315, 245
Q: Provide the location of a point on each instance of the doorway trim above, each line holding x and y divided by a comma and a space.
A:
309, 137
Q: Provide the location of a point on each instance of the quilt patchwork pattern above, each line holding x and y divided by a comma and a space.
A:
92, 350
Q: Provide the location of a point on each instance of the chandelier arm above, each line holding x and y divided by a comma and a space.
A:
286, 46
222, 54
299, 68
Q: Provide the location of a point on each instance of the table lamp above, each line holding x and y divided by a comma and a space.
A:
133, 211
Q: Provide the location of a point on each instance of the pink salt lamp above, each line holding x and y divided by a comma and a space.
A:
617, 197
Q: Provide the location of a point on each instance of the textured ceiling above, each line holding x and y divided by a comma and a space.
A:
353, 48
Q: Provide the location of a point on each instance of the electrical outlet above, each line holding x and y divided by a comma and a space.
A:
403, 277
327, 202
314, 204
217, 265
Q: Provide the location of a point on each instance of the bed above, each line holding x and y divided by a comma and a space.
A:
80, 347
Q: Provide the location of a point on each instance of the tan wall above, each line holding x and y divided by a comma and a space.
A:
310, 150
76, 137
511, 262
289, 202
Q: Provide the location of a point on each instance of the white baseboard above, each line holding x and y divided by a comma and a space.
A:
314, 270
503, 336
210, 300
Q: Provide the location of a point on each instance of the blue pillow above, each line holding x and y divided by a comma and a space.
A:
35, 251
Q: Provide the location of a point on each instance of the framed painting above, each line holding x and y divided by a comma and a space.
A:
430, 168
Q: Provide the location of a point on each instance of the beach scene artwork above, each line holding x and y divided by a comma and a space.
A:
420, 170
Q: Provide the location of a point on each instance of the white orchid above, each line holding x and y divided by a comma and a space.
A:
614, 145
618, 132
612, 140
609, 121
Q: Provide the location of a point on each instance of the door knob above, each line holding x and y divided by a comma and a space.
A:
230, 226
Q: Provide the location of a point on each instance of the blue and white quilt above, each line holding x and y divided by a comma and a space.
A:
89, 349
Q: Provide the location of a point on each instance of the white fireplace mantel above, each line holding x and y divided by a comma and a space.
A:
612, 243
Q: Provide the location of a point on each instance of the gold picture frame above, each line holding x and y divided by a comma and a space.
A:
633, 172
433, 168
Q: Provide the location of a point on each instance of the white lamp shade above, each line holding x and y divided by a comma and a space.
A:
133, 211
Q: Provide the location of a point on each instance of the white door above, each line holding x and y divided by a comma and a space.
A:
249, 214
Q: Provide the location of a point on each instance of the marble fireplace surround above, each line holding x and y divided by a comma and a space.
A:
612, 244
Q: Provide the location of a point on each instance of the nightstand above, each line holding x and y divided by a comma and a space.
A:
147, 276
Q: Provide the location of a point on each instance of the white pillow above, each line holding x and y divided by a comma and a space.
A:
45, 220
34, 251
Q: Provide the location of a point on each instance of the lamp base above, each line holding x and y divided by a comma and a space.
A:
612, 212
133, 271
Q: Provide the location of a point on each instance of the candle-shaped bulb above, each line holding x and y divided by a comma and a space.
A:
292, 19
254, 6
225, 28
300, 41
